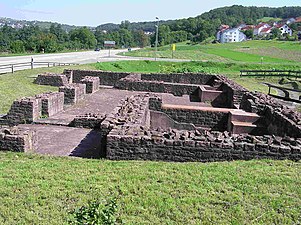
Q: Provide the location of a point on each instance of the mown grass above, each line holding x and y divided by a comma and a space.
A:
277, 52
42, 190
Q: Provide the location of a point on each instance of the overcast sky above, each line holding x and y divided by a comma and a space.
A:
96, 12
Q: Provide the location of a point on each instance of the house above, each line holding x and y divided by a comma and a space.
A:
230, 35
247, 27
222, 28
266, 31
298, 20
290, 20
285, 29
260, 27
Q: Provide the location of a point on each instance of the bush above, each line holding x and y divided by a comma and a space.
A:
96, 213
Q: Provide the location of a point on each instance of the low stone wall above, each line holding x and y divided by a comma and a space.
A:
279, 119
190, 146
106, 77
27, 110
73, 92
89, 121
92, 84
52, 103
215, 120
14, 139
52, 79
184, 78
134, 83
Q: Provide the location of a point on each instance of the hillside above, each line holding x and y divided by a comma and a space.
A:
43, 25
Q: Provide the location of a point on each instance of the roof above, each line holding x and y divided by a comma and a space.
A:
261, 25
266, 30
248, 27
298, 19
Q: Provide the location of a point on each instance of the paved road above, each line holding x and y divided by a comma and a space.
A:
72, 57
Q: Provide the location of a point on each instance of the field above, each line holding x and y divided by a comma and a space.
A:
43, 190
272, 52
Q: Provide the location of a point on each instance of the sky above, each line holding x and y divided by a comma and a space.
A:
96, 12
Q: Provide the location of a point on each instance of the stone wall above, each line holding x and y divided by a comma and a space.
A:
92, 84
211, 119
134, 83
279, 119
90, 121
106, 77
52, 103
184, 78
15, 139
190, 146
27, 110
73, 92
52, 79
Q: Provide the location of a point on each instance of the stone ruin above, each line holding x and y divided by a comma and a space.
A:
220, 120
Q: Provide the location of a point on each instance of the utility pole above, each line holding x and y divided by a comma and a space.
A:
157, 37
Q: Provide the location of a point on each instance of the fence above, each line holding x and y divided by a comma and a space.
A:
11, 68
271, 73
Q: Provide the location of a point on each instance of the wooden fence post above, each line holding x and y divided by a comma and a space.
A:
12, 68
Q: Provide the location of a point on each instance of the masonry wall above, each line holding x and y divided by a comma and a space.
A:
156, 86
185, 78
201, 149
52, 79
106, 77
278, 119
17, 140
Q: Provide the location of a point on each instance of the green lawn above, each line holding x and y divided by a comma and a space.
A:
42, 190
276, 52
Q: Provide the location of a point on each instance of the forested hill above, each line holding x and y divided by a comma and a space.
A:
232, 15
236, 14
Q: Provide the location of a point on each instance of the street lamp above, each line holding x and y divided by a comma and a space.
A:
157, 33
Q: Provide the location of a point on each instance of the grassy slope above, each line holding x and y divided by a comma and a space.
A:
41, 190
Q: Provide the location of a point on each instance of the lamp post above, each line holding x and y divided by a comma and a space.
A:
157, 36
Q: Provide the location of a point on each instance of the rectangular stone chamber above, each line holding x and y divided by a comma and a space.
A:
92, 84
73, 93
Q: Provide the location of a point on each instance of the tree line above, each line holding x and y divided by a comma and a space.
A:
197, 29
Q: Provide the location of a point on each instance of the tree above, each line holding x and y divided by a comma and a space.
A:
141, 39
275, 33
83, 36
17, 47
249, 33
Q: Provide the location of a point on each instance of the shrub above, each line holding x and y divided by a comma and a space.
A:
96, 213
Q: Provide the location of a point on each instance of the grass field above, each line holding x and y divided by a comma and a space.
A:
275, 52
43, 190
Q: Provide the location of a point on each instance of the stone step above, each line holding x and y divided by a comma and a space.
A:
242, 127
241, 116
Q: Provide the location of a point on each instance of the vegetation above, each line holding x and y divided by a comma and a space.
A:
43, 190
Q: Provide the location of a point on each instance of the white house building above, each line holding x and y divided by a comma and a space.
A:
258, 29
284, 29
230, 35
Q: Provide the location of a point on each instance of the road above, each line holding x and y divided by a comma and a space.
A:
71, 57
